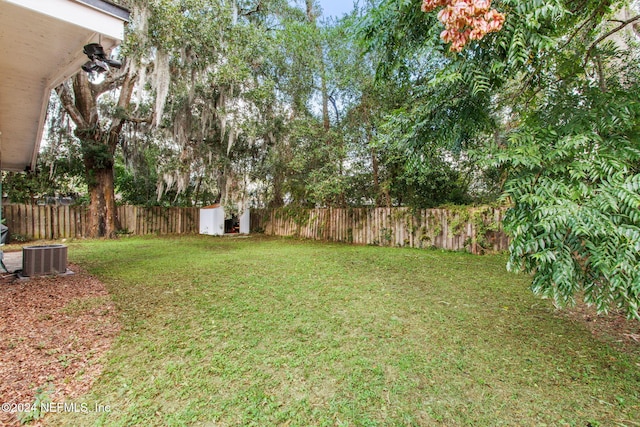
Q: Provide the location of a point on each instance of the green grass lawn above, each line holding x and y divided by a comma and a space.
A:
259, 331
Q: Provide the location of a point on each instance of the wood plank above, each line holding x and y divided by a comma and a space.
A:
77, 222
71, 222
49, 226
30, 222
55, 222
42, 220
10, 218
35, 222
65, 222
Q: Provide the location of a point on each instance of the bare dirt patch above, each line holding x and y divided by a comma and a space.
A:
53, 333
613, 328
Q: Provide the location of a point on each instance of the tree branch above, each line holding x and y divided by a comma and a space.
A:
147, 120
249, 12
335, 107
126, 90
111, 81
600, 70
580, 28
85, 102
69, 106
607, 34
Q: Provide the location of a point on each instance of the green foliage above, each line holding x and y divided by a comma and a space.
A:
576, 193
236, 71
23, 187
59, 170
58, 173
484, 223
99, 153
574, 164
137, 188
424, 183
441, 112
39, 405
244, 84
548, 106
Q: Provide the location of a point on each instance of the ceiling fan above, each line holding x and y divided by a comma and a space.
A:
99, 62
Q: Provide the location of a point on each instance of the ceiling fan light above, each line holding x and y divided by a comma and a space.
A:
113, 63
94, 50
88, 66
100, 66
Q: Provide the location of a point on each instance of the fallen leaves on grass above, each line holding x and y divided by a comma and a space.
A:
613, 328
53, 333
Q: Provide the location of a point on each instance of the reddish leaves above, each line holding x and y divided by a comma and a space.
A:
465, 20
53, 332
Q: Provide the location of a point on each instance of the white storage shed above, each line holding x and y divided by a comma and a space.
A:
213, 221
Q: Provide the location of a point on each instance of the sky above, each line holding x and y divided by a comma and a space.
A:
336, 8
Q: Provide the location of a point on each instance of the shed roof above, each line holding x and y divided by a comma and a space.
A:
41, 45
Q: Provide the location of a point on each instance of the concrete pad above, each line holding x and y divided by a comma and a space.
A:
13, 261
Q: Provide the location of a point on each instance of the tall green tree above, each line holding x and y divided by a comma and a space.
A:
196, 92
301, 143
224, 108
551, 101
98, 139
100, 108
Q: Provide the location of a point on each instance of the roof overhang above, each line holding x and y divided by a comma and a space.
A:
41, 45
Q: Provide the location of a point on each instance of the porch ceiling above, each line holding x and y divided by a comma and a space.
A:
41, 46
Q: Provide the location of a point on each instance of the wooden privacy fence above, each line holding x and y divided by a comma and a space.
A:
477, 230
57, 222
158, 220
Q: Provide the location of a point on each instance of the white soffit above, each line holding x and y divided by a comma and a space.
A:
84, 14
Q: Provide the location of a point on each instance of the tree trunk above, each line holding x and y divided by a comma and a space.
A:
80, 101
102, 210
374, 155
325, 96
277, 200
311, 16
376, 176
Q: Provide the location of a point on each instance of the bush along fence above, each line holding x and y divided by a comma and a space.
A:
476, 230
28, 222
